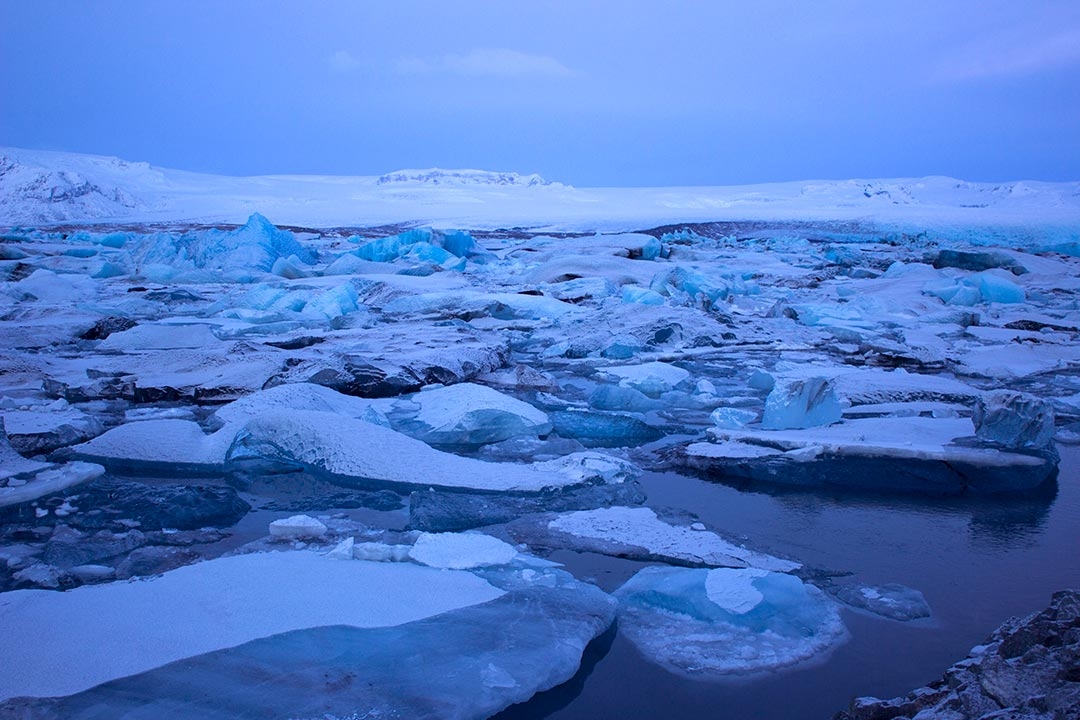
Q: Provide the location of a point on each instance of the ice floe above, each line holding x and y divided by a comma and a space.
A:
726, 621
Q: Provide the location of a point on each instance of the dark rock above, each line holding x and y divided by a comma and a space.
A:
155, 560
69, 548
106, 326
978, 261
1028, 669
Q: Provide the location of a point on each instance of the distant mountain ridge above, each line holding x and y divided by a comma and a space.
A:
39, 188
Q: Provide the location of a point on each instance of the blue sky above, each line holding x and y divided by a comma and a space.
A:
590, 93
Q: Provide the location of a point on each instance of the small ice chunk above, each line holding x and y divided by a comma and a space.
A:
461, 551
732, 418
652, 378
343, 550
297, 526
801, 403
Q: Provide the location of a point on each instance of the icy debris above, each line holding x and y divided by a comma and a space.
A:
641, 296
732, 418
981, 287
984, 260
297, 527
652, 378
471, 304
893, 601
381, 552
268, 594
13, 464
461, 551
801, 403
21, 489
620, 529
238, 255
365, 453
466, 414
169, 445
48, 287
591, 467
1014, 419
172, 336
714, 623
617, 397
301, 396
603, 429
761, 380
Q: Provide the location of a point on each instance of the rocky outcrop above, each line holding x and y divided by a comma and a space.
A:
1028, 669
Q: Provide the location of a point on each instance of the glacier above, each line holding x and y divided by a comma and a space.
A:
443, 385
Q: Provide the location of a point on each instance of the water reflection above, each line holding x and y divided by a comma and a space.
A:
1004, 521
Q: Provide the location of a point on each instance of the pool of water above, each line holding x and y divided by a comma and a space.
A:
977, 562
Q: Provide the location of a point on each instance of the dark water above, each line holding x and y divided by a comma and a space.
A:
977, 563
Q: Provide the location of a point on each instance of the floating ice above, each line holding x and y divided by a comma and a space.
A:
1014, 419
601, 429
172, 336
653, 378
169, 445
801, 403
731, 417
620, 529
712, 623
297, 526
893, 601
895, 454
468, 414
461, 551
365, 453
268, 593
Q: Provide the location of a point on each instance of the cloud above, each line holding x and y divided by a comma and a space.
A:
487, 62
343, 61
1013, 55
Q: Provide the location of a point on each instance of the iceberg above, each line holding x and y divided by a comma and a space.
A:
603, 429
361, 453
910, 454
801, 403
269, 593
469, 414
726, 621
1014, 419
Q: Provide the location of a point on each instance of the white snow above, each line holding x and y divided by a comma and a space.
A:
469, 413
639, 526
298, 526
461, 551
733, 588
62, 643
359, 449
458, 198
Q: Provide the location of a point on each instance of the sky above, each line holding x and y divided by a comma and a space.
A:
591, 93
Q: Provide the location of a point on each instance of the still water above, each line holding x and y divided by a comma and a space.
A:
977, 562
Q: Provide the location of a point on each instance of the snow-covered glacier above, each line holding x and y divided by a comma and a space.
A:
407, 446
